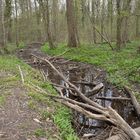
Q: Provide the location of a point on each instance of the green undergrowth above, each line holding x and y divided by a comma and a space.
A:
11, 48
10, 76
63, 118
122, 66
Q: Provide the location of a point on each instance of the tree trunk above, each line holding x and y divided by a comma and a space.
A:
8, 20
83, 12
50, 40
94, 21
110, 18
127, 9
102, 20
119, 21
16, 23
3, 42
137, 12
71, 23
46, 19
55, 11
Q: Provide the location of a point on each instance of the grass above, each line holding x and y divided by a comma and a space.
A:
11, 77
63, 118
122, 66
2, 100
40, 132
11, 48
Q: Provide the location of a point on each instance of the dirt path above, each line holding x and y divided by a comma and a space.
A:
20, 117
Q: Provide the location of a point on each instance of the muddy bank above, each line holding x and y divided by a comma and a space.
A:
76, 73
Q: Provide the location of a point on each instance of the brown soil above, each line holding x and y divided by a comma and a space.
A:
17, 120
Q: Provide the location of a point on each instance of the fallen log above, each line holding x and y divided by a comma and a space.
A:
85, 83
123, 125
133, 99
61, 86
58, 56
123, 136
95, 90
113, 98
118, 137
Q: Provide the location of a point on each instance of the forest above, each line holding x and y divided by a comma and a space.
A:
69, 69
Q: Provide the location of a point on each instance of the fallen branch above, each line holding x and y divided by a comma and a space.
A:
21, 74
113, 98
95, 90
85, 83
64, 62
58, 56
61, 86
123, 136
133, 99
123, 125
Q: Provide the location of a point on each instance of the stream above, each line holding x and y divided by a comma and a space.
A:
75, 72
